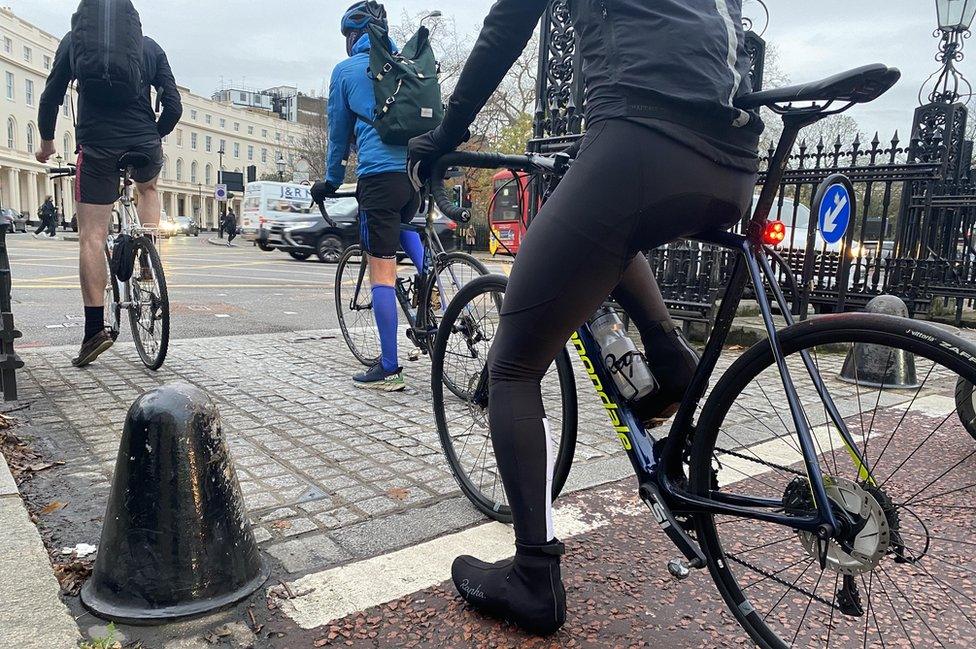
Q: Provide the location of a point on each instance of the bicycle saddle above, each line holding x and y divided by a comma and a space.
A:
860, 86
134, 160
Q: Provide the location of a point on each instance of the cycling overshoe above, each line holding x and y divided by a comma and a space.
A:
377, 378
526, 590
674, 364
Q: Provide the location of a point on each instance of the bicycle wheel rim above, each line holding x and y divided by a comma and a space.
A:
356, 319
149, 306
453, 273
919, 461
463, 425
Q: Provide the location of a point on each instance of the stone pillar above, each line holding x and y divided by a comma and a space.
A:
68, 198
171, 207
13, 189
32, 202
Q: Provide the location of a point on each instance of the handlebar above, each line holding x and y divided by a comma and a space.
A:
62, 172
325, 213
481, 160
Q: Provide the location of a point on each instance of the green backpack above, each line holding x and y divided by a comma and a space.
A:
407, 88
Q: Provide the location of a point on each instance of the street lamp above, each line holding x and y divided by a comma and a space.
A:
434, 14
58, 191
281, 168
955, 18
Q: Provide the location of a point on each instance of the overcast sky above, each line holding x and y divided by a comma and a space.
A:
271, 42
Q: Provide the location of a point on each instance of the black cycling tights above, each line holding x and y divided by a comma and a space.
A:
630, 189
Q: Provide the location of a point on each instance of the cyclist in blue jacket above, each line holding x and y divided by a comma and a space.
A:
386, 197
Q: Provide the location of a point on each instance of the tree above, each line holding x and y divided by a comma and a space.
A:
313, 146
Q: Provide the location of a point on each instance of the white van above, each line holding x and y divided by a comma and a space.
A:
268, 203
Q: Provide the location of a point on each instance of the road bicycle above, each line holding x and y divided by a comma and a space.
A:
422, 297
826, 481
142, 293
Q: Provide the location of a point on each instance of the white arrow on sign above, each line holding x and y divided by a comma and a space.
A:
830, 220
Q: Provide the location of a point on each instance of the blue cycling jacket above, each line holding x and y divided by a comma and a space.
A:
350, 99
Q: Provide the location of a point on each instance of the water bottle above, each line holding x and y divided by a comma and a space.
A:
626, 365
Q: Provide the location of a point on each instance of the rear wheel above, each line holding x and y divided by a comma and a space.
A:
966, 405
265, 247
149, 305
900, 572
354, 307
459, 357
300, 256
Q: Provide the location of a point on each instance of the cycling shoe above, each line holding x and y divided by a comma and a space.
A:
526, 590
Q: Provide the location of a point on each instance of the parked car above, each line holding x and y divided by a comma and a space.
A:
13, 220
308, 235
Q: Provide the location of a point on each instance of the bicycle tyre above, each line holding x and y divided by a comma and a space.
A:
152, 351
567, 392
435, 298
921, 340
113, 310
359, 332
966, 405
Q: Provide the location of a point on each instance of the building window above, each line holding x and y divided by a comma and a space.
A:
237, 126
208, 175
208, 119
11, 133
68, 151
47, 62
193, 172
264, 156
278, 137
179, 170
223, 146
10, 85
8, 45
208, 144
264, 133
64, 107
223, 123
250, 153
28, 54
193, 115
29, 91
179, 137
237, 149
193, 141
30, 138
291, 139
250, 130
244, 97
165, 171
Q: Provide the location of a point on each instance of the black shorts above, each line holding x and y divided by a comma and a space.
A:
385, 201
97, 177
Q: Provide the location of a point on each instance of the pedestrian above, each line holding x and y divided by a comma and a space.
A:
47, 214
115, 67
230, 225
470, 238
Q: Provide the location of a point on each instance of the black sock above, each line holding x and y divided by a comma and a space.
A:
94, 321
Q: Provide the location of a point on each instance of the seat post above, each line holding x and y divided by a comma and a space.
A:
793, 124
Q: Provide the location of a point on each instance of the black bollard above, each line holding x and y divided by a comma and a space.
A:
175, 540
877, 366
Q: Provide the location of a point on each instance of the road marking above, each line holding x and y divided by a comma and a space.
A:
221, 315
290, 313
335, 593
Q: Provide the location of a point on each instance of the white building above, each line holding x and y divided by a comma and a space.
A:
192, 151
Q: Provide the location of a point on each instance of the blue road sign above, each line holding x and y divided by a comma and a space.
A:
835, 211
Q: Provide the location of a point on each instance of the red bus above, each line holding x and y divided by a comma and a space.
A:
508, 212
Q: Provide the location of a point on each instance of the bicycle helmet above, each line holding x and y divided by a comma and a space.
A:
358, 17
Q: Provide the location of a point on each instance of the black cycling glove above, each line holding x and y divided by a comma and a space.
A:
424, 150
322, 190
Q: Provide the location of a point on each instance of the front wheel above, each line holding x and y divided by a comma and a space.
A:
300, 256
265, 247
459, 357
149, 305
899, 572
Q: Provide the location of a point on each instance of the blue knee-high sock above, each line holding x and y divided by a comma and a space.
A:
414, 247
385, 311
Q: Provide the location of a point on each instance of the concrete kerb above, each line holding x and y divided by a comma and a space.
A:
213, 241
31, 611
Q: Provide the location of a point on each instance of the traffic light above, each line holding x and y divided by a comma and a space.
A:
462, 196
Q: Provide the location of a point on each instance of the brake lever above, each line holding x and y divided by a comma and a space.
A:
325, 214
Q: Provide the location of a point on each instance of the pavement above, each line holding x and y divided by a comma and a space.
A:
348, 492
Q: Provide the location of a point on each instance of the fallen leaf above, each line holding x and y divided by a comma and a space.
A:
321, 642
281, 525
53, 507
399, 493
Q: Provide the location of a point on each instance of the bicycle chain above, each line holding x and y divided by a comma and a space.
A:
782, 582
742, 456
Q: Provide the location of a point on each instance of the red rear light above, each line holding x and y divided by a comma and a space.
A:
774, 234
451, 225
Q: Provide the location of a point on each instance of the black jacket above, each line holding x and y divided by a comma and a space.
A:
111, 127
681, 61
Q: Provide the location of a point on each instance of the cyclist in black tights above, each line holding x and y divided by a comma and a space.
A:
666, 155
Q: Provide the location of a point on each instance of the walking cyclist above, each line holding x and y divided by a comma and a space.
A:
115, 116
386, 197
666, 155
